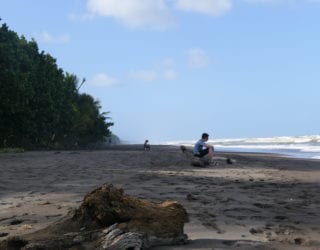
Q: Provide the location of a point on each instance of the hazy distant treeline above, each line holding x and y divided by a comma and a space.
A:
40, 106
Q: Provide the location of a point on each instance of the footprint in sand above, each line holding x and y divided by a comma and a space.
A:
191, 197
237, 217
213, 225
255, 231
3, 234
228, 243
299, 241
262, 205
53, 216
280, 217
16, 222
258, 218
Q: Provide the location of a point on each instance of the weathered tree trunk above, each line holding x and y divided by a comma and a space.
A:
109, 219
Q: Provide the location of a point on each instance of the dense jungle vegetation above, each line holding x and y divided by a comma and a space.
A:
40, 104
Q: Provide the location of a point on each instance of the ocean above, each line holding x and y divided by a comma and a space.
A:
290, 146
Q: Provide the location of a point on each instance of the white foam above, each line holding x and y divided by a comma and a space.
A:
297, 146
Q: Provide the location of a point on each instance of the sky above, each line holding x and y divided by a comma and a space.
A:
169, 70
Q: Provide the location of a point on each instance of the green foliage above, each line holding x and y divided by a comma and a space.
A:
11, 150
40, 106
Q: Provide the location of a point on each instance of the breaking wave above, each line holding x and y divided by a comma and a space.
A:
291, 146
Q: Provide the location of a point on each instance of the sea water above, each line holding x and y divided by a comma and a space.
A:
290, 146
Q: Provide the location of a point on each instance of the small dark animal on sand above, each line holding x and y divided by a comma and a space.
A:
183, 149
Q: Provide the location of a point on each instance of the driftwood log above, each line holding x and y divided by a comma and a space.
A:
194, 160
110, 219
204, 161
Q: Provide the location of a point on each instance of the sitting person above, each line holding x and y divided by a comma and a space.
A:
146, 146
201, 148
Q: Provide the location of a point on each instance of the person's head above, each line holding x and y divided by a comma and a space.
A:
205, 136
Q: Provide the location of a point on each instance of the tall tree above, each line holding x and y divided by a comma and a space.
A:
40, 105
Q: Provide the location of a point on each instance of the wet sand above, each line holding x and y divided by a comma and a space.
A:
260, 202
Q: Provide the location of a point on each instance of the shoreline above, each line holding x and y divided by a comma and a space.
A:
264, 200
218, 151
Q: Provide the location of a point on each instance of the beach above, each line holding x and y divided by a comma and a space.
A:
262, 201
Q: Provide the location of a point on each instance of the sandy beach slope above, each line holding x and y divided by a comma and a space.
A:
261, 202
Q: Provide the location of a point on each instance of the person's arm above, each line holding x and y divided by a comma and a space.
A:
209, 146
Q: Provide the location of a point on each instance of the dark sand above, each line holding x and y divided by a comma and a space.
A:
261, 202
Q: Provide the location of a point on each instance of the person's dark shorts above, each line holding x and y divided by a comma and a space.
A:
202, 153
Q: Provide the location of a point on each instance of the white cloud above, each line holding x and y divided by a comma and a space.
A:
167, 63
164, 69
153, 14
197, 58
167, 70
161, 14
46, 37
144, 75
169, 74
103, 80
80, 17
210, 7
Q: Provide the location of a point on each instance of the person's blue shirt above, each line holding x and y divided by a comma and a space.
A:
199, 146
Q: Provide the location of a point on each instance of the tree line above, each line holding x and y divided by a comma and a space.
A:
40, 105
